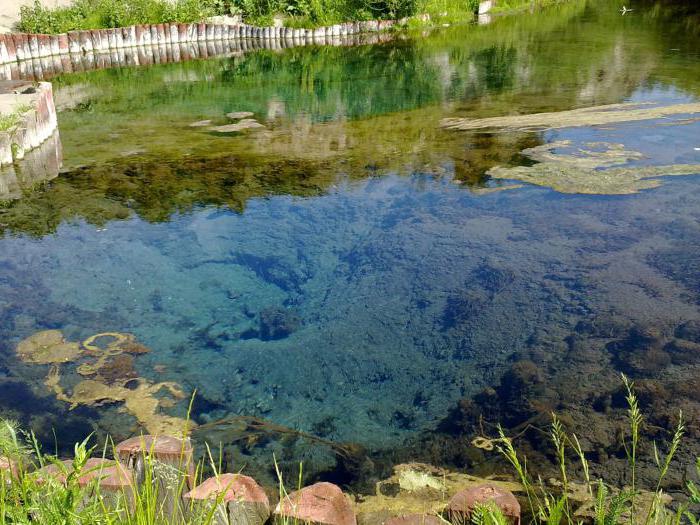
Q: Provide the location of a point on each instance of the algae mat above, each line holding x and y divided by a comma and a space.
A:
600, 170
592, 116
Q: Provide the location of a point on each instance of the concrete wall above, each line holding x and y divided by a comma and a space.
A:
34, 125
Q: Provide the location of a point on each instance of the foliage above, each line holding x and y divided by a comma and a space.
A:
92, 14
9, 120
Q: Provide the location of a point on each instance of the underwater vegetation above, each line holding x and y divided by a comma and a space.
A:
105, 363
591, 116
590, 171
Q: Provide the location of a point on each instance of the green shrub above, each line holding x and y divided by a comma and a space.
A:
94, 14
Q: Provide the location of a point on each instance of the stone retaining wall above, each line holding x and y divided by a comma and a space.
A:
47, 67
34, 125
18, 47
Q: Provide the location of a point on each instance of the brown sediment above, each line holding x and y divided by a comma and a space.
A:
592, 116
589, 172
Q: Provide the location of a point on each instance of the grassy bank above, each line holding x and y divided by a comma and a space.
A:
31, 495
95, 14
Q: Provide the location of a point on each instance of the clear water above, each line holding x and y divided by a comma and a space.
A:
351, 272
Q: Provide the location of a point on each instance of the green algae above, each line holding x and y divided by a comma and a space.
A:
590, 171
592, 116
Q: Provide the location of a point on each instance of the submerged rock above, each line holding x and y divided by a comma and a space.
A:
200, 124
690, 331
243, 125
238, 115
278, 323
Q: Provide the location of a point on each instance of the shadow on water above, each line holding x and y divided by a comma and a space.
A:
346, 286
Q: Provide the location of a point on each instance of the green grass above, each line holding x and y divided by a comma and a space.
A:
10, 120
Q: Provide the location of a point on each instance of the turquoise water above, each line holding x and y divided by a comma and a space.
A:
351, 272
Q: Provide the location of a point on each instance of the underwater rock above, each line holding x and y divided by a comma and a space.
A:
582, 172
641, 352
278, 323
200, 124
47, 347
605, 326
690, 331
683, 352
492, 278
520, 386
242, 125
238, 115
319, 503
462, 504
240, 497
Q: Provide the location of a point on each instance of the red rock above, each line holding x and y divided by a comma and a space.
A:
461, 505
161, 447
112, 476
319, 503
245, 501
7, 466
236, 486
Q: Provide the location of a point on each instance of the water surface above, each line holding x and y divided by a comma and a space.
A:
351, 272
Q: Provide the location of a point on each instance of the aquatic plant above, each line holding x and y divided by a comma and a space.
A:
589, 171
104, 359
591, 116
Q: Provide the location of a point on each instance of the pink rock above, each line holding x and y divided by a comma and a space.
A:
245, 501
7, 466
110, 475
161, 447
319, 503
236, 487
166, 449
461, 505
